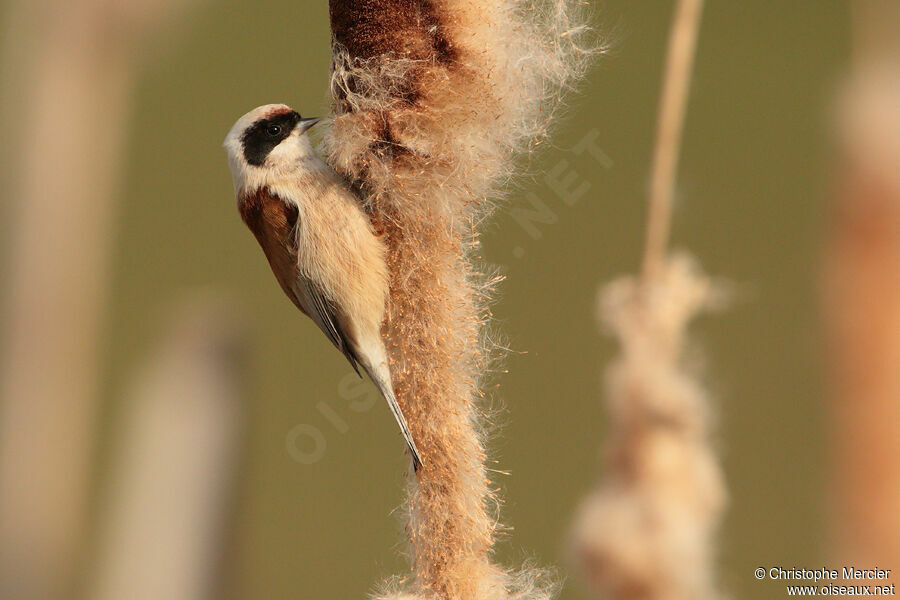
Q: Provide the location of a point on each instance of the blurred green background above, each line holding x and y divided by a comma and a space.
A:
752, 192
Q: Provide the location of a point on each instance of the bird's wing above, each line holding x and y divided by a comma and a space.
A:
381, 377
321, 310
273, 221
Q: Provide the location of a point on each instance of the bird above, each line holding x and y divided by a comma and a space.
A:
318, 239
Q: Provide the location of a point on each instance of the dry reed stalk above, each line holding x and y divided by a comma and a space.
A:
648, 530
175, 451
672, 107
862, 291
69, 67
432, 102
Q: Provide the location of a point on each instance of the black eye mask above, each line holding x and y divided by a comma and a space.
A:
263, 136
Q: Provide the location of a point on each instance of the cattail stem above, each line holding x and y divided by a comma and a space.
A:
672, 107
431, 100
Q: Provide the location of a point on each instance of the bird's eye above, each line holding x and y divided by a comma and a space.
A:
273, 130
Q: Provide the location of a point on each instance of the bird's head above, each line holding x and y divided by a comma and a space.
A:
268, 140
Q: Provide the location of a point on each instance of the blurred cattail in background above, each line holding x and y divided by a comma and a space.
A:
862, 294
432, 103
67, 78
163, 531
648, 531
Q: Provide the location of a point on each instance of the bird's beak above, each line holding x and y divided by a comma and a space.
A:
305, 124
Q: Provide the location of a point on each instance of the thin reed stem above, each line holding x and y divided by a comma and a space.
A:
672, 107
648, 531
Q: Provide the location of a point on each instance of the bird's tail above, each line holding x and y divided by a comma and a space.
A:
382, 380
